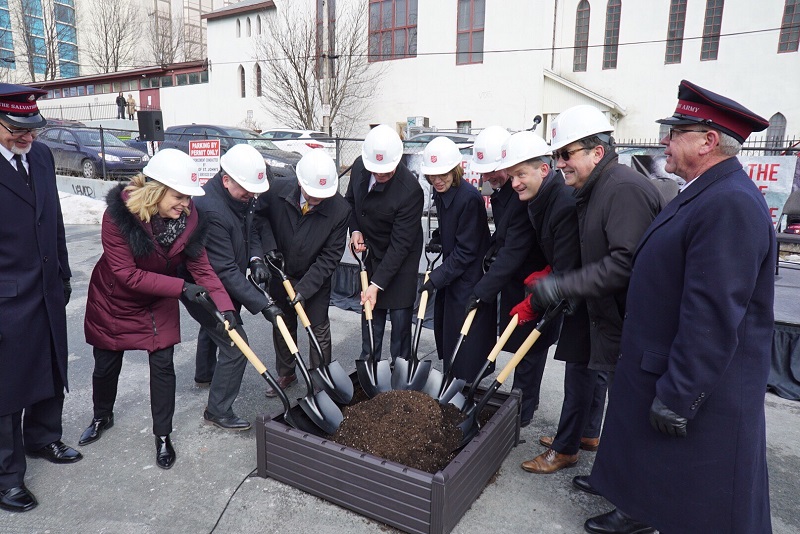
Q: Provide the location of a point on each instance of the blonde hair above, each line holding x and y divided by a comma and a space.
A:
144, 196
457, 172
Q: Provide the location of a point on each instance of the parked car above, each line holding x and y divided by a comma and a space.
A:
78, 150
280, 161
63, 122
300, 141
416, 143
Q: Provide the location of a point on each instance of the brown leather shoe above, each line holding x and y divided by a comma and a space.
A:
587, 444
550, 461
284, 382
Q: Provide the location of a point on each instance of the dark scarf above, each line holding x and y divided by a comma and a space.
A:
166, 231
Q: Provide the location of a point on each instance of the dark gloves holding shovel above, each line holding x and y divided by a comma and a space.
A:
271, 312
472, 303
298, 299
666, 421
194, 292
259, 271
276, 258
524, 312
229, 316
427, 286
67, 290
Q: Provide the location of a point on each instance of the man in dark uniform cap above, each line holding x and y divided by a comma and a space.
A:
684, 443
34, 290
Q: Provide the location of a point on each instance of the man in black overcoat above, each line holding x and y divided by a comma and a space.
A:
34, 291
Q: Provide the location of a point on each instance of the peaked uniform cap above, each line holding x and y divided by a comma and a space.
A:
18, 106
701, 106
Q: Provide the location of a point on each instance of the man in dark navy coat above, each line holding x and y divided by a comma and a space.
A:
684, 446
34, 290
387, 202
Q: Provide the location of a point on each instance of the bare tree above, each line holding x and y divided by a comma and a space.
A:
288, 54
114, 38
41, 35
165, 38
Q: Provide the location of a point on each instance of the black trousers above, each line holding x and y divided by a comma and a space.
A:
582, 408
284, 360
528, 379
401, 332
107, 367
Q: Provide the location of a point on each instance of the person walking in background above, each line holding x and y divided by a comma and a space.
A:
34, 290
386, 202
121, 104
513, 254
464, 233
131, 103
149, 231
305, 228
227, 208
686, 413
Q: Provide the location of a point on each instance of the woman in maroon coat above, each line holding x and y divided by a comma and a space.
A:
150, 232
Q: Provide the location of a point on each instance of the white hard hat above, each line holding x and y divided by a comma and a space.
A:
486, 150
246, 166
316, 174
576, 123
382, 149
523, 146
175, 169
440, 156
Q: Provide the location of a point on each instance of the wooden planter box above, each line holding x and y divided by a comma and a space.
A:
405, 498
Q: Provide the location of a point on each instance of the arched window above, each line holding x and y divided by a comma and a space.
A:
581, 37
677, 20
790, 27
257, 74
258, 24
238, 28
249, 27
242, 82
776, 132
613, 14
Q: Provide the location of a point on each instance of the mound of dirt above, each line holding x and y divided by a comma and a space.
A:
407, 427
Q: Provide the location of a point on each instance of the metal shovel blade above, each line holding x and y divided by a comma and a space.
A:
373, 377
452, 390
433, 385
410, 375
321, 409
335, 381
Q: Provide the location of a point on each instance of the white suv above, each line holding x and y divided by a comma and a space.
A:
300, 141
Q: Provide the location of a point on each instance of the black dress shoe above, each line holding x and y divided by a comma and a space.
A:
58, 453
165, 454
95, 430
582, 483
18, 499
228, 423
616, 522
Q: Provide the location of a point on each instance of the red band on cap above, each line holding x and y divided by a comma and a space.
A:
18, 108
715, 115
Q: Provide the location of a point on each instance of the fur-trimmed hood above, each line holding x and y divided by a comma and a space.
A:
138, 234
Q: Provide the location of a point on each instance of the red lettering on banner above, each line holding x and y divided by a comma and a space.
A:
774, 213
763, 172
763, 189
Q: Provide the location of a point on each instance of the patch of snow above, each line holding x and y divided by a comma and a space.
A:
78, 209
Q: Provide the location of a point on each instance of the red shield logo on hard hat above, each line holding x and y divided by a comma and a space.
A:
433, 159
194, 176
260, 176
323, 181
379, 157
503, 155
480, 155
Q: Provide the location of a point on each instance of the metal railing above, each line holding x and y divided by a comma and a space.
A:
85, 112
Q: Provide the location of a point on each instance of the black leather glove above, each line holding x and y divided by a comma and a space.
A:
193, 291
472, 303
298, 299
276, 257
67, 290
271, 312
229, 316
545, 293
434, 243
259, 271
666, 421
427, 286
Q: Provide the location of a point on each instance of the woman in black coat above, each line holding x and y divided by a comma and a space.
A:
464, 233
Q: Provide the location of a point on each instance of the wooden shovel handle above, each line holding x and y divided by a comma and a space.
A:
287, 337
521, 352
423, 300
503, 338
246, 350
468, 321
301, 313
367, 304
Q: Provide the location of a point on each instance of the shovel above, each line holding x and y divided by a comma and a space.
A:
300, 422
330, 377
470, 426
413, 374
502, 340
443, 386
374, 376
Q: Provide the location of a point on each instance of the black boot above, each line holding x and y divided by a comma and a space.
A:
95, 430
616, 522
165, 454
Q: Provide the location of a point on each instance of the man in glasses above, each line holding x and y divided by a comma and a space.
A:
686, 414
34, 291
615, 205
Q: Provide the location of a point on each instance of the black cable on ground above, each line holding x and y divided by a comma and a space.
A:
253, 472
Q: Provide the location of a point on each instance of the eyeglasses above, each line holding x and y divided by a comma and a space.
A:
682, 130
21, 131
437, 178
564, 155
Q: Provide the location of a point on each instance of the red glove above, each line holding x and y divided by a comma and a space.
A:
524, 311
534, 277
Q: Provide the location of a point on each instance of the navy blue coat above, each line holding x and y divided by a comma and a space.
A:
33, 262
464, 229
697, 334
516, 255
